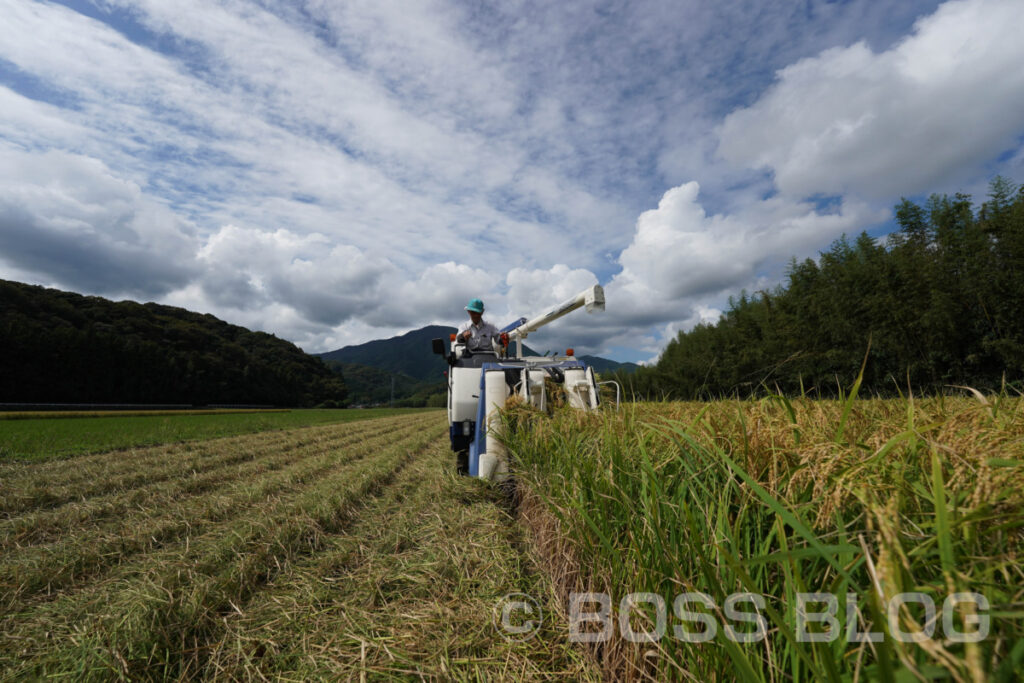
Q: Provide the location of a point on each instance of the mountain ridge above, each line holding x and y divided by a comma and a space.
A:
410, 354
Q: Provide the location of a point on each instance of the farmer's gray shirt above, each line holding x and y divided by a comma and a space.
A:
482, 335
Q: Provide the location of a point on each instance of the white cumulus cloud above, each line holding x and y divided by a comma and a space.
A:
327, 283
680, 256
936, 106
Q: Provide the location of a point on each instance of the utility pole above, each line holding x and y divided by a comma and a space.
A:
392, 404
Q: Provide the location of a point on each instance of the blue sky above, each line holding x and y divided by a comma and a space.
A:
335, 172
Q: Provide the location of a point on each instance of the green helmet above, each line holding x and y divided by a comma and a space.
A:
475, 305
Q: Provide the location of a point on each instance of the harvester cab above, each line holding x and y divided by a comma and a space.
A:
480, 383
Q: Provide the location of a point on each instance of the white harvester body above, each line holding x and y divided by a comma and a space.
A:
480, 383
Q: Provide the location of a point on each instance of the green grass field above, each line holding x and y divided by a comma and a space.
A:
64, 434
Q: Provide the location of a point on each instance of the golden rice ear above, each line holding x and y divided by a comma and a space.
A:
977, 394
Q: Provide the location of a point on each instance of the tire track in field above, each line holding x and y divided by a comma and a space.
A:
83, 557
47, 525
32, 486
168, 606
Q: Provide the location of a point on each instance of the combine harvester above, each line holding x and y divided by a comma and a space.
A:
479, 384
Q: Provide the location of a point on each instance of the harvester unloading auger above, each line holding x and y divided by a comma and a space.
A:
480, 382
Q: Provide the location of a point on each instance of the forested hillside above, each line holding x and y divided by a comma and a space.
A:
606, 366
941, 302
372, 386
60, 347
407, 354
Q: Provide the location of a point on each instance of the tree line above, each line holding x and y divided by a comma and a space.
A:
939, 302
61, 347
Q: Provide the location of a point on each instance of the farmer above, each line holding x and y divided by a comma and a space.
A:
475, 333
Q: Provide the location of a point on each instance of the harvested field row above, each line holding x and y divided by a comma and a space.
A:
48, 439
75, 414
406, 592
52, 483
26, 486
48, 524
82, 552
143, 617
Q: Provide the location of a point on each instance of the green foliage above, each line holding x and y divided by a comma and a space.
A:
60, 347
938, 303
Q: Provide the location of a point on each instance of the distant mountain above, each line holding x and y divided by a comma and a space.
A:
410, 354
604, 365
62, 347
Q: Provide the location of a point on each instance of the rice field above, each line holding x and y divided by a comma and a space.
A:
865, 500
351, 551
335, 551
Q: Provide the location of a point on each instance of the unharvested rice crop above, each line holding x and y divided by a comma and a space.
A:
776, 498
